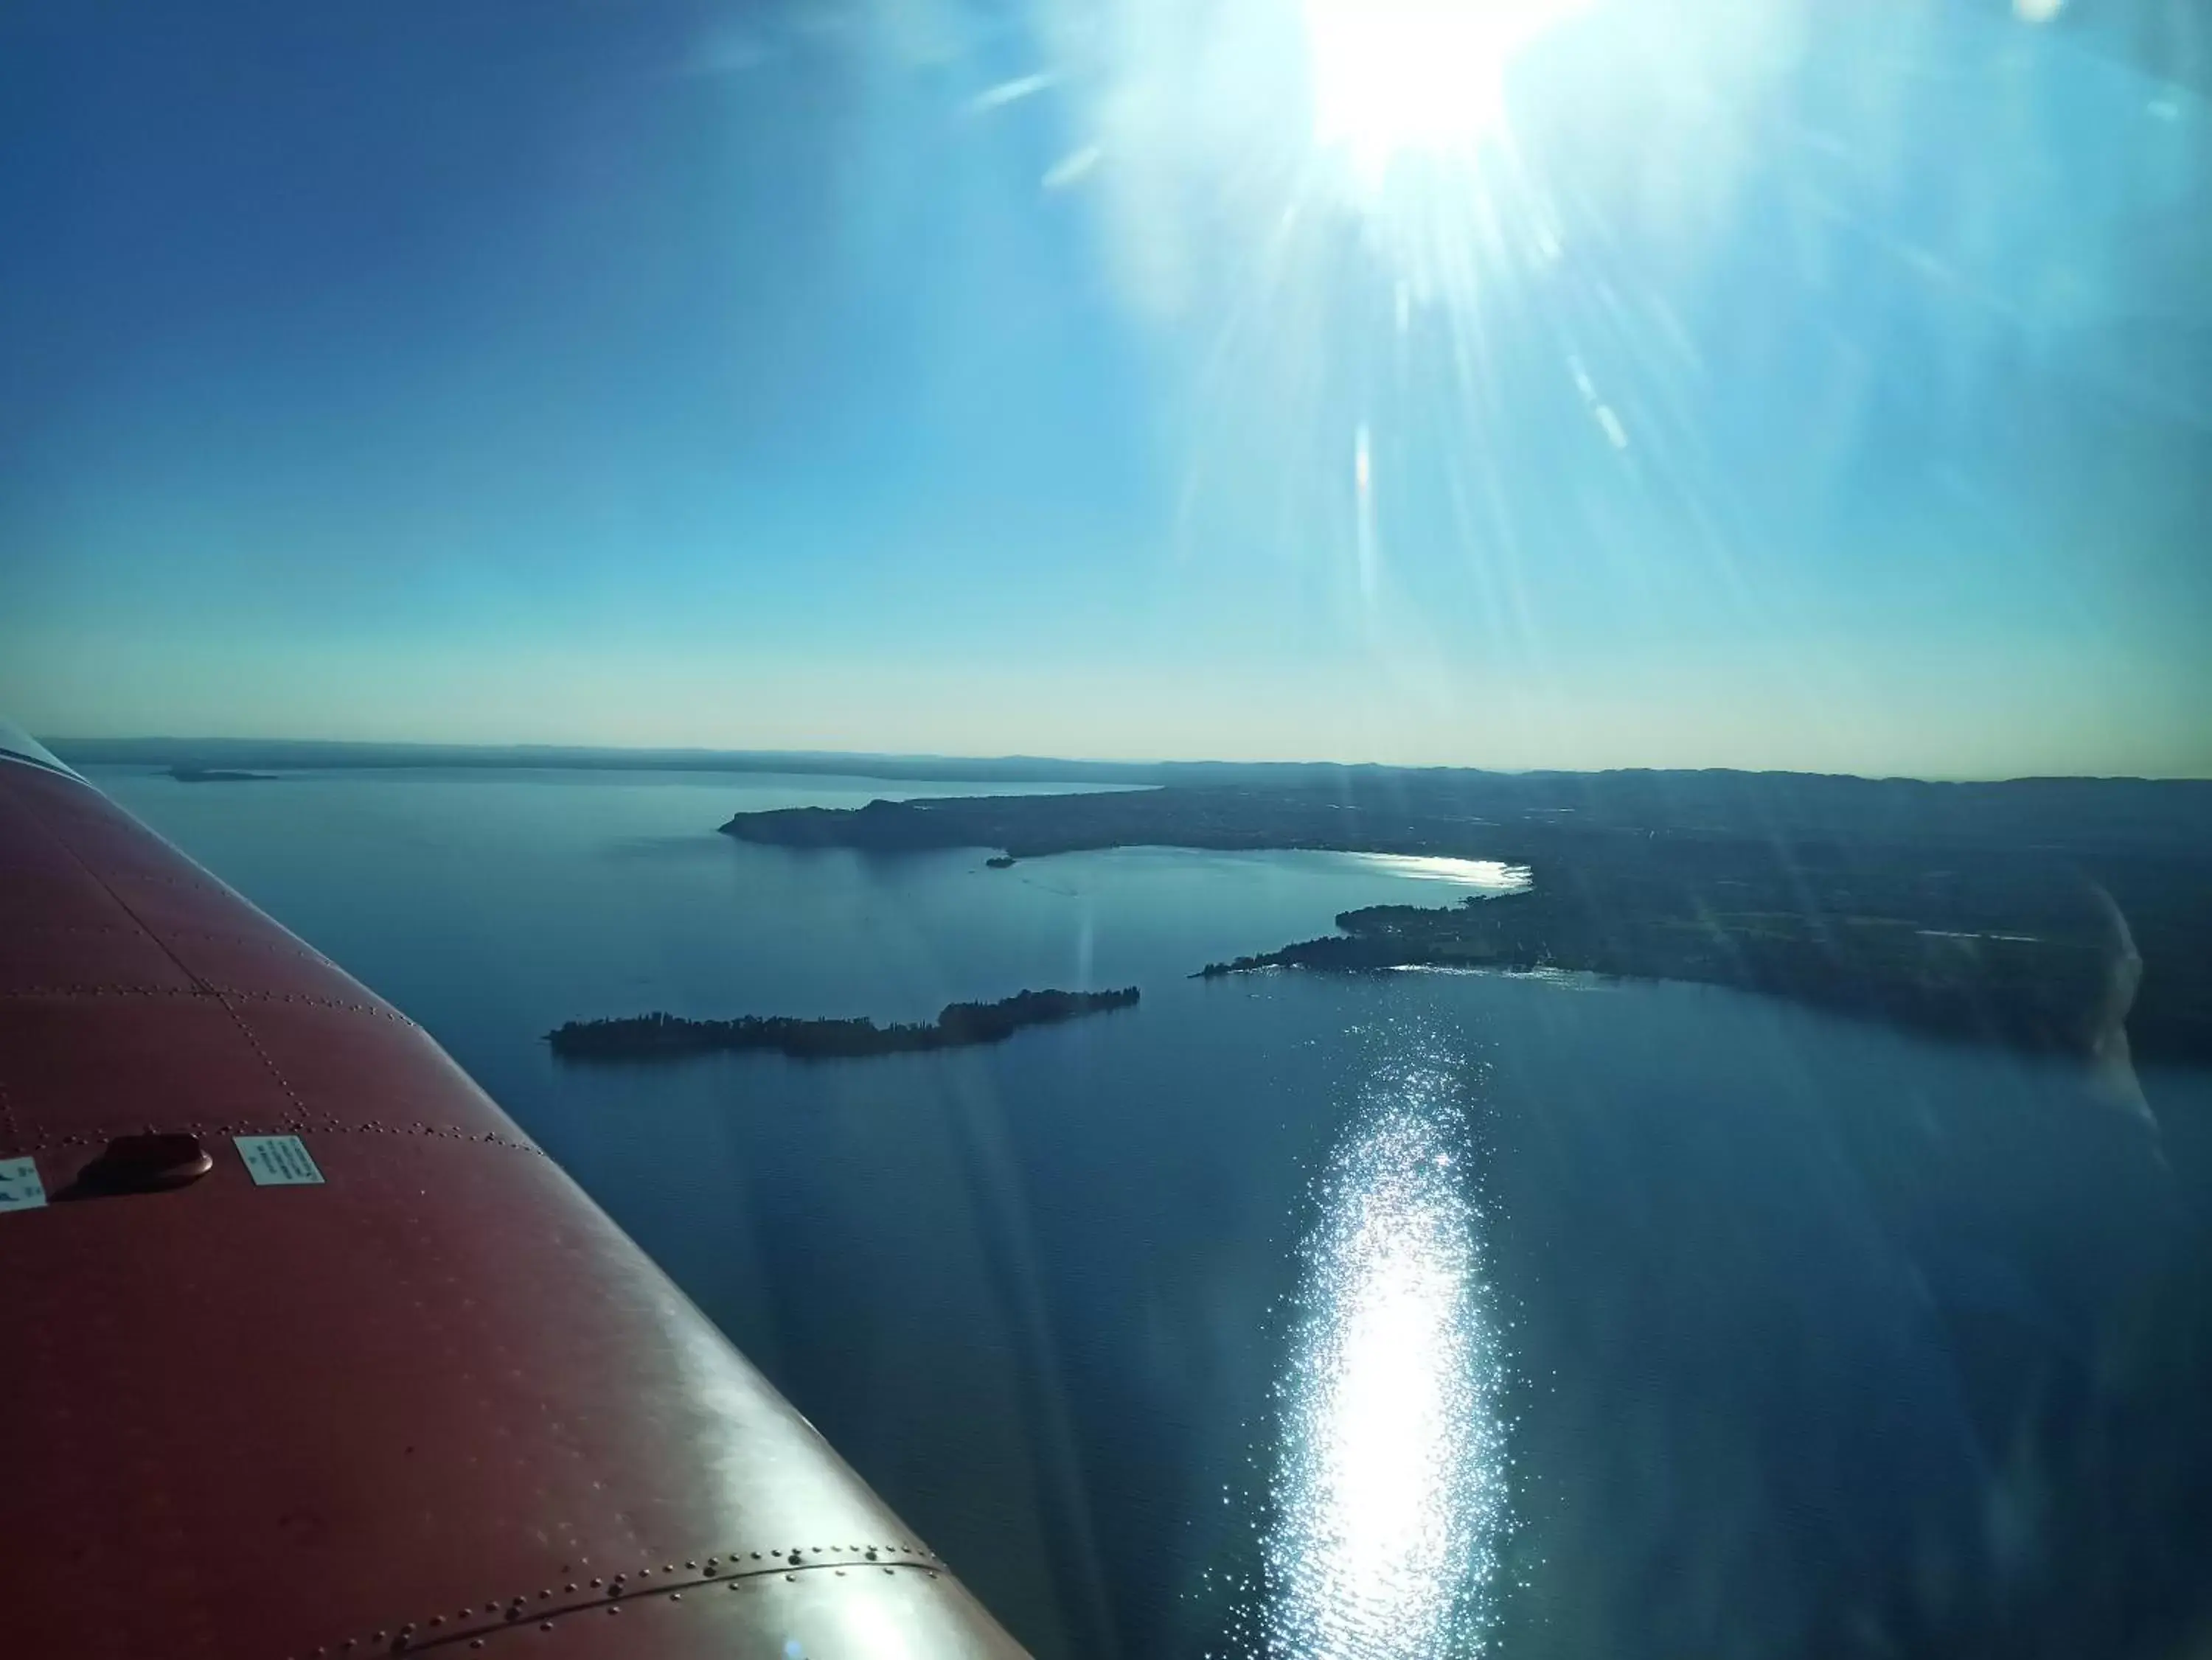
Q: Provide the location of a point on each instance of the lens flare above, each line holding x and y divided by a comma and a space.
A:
1390, 1497
1391, 76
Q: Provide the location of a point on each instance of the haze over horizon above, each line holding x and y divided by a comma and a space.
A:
1742, 386
227, 749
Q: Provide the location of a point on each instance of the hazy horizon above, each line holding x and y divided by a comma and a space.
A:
1719, 385
64, 744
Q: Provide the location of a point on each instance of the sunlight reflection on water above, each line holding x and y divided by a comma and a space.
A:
1390, 1491
1492, 874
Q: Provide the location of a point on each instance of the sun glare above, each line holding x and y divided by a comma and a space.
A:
1396, 76
1392, 1502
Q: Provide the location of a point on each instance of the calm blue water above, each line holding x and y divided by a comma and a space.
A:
1398, 1316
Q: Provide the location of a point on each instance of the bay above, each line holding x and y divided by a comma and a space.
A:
1397, 1315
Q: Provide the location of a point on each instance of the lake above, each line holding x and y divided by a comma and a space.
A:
1399, 1315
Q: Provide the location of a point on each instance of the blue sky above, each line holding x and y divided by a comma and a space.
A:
1495, 382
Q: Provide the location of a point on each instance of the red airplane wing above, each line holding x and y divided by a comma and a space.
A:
311, 1351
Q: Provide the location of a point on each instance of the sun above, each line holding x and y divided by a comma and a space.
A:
1396, 77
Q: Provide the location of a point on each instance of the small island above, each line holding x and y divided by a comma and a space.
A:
1000, 861
657, 1036
184, 774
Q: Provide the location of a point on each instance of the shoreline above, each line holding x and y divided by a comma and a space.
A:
2054, 916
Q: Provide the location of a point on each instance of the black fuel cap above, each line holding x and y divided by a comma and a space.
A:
146, 1164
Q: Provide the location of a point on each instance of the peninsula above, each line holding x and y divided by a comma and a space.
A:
658, 1037
2045, 913
2065, 990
